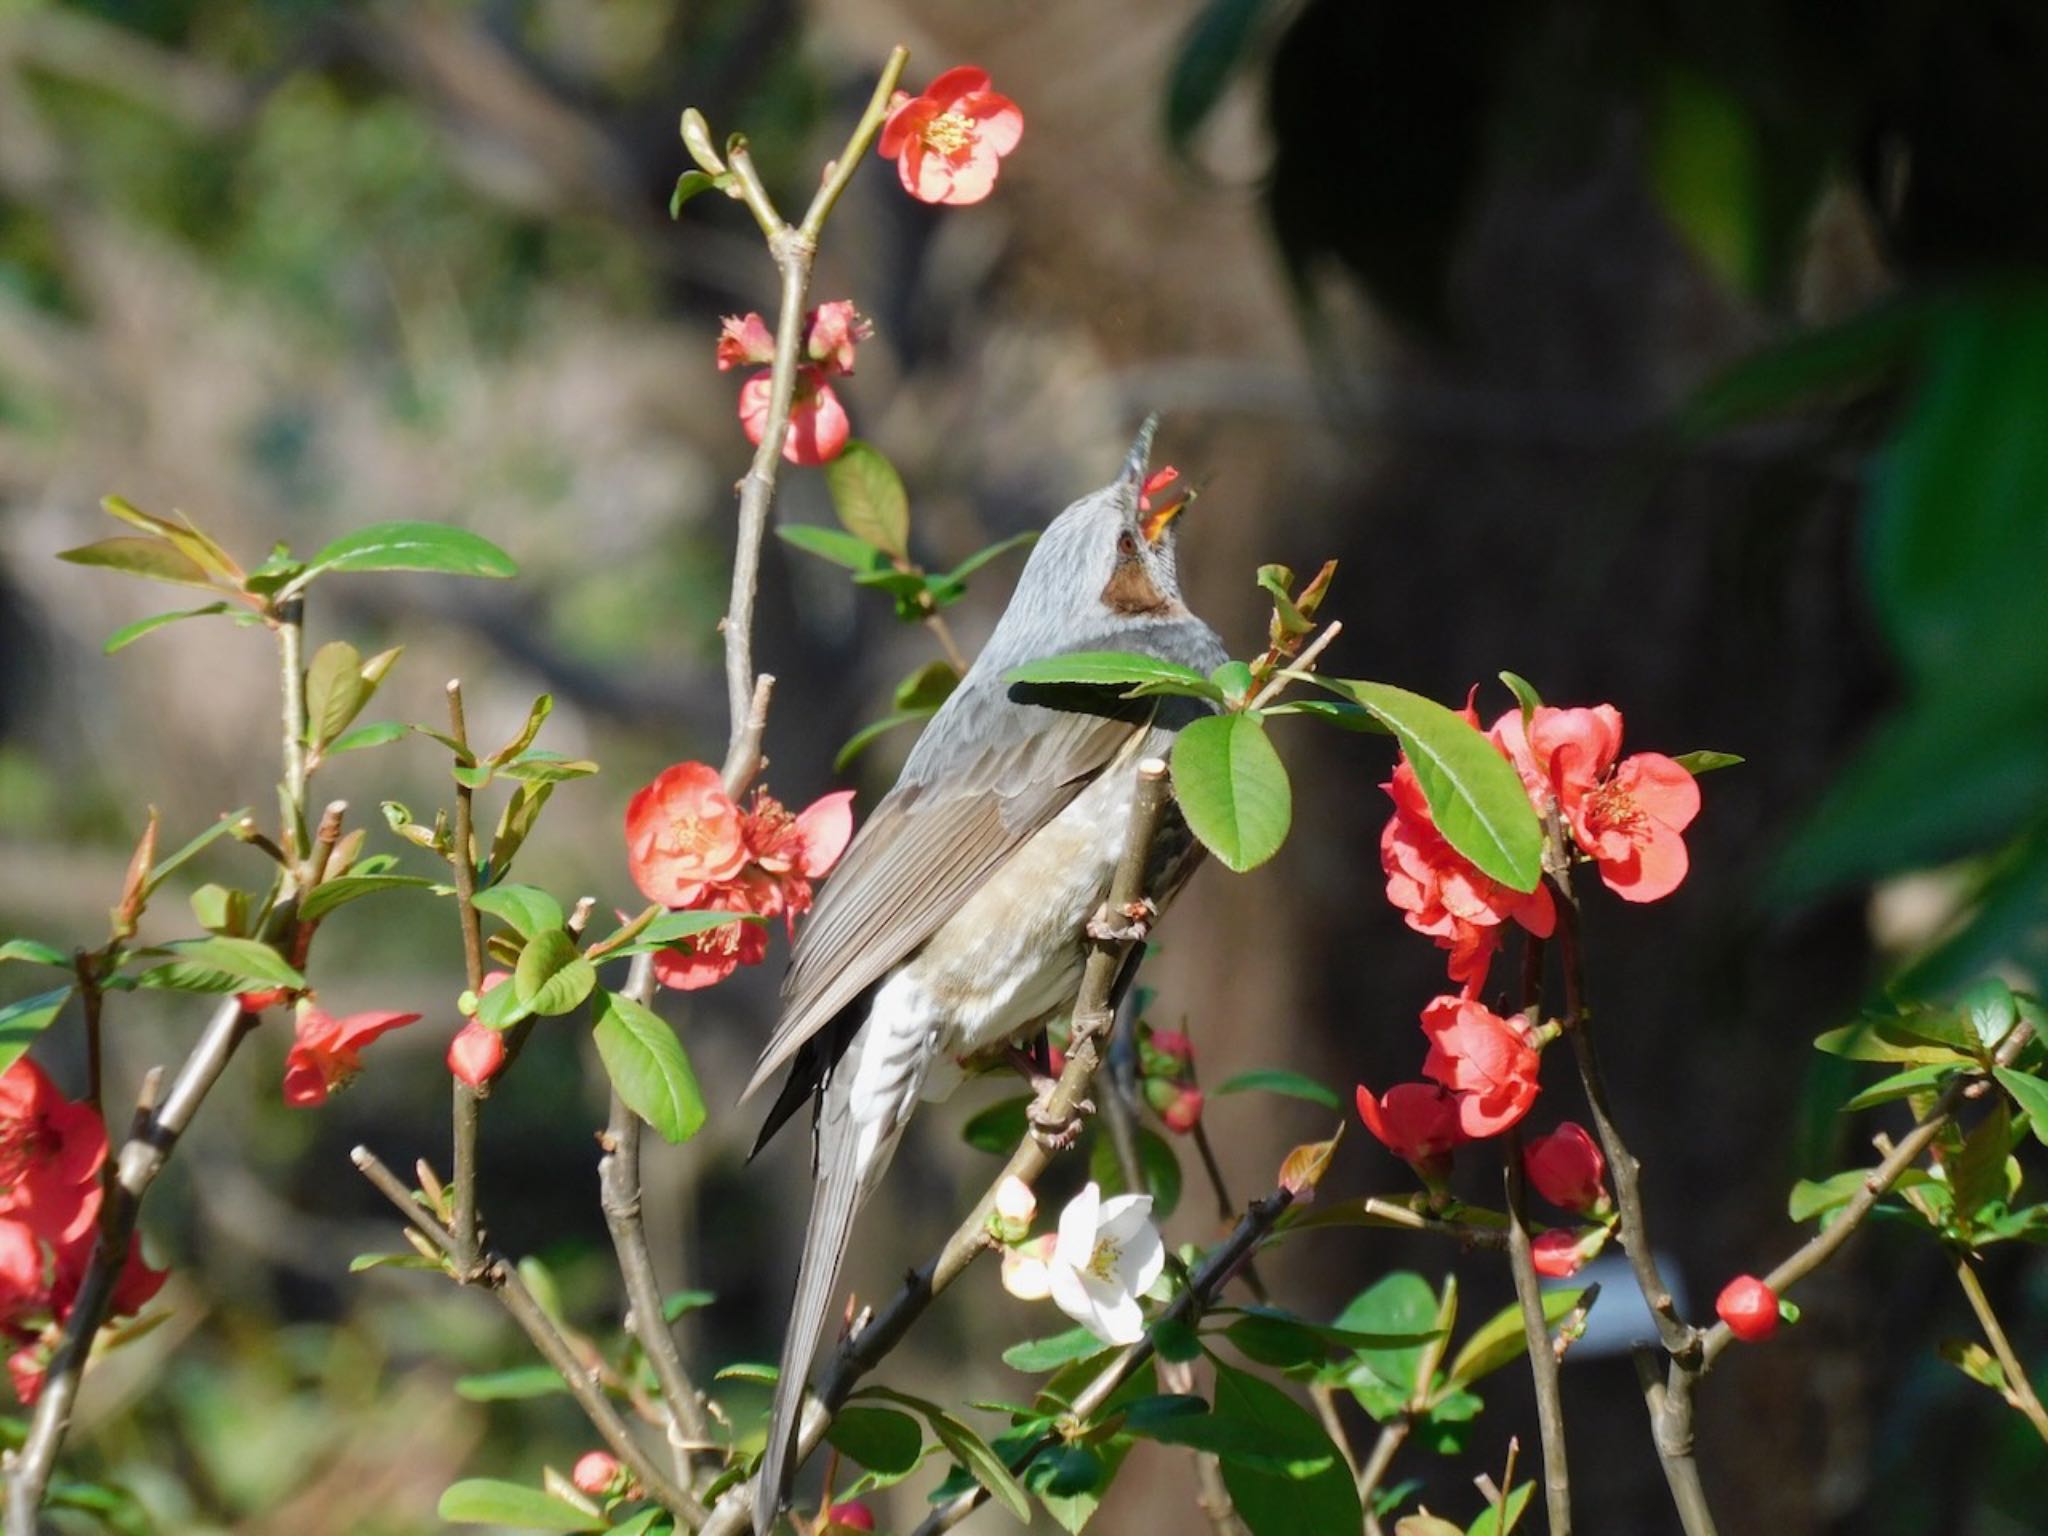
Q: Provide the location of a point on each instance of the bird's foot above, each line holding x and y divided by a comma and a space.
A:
1122, 925
1055, 1130
1033, 1072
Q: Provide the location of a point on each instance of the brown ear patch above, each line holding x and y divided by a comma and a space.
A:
1130, 590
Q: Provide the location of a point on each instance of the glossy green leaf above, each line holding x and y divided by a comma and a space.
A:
647, 1065
966, 1447
329, 894
1491, 1521
1270, 1503
1233, 789
1697, 763
153, 559
2031, 1094
688, 185
1989, 1011
834, 545
1501, 1338
880, 1439
335, 691
1902, 1085
243, 958
412, 546
928, 687
128, 634
552, 976
1398, 1303
1114, 669
1036, 1355
377, 734
1885, 1039
1295, 1085
521, 1382
868, 496
1475, 796
1525, 694
527, 909
24, 1019
34, 952
1976, 1174
1349, 717
487, 1501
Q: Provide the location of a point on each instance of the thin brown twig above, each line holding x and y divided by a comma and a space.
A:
465, 1112
1557, 1484
2019, 1390
1378, 1461
863, 1349
86, 966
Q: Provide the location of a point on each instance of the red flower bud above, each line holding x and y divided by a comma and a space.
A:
269, 997
596, 1472
1184, 1113
476, 1053
1556, 1253
1566, 1168
1171, 1042
849, 1517
1749, 1308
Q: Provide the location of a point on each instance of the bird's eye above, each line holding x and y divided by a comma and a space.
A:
1126, 546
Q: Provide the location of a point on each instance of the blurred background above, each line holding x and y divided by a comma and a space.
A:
1692, 357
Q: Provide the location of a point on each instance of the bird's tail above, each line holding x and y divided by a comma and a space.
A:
837, 1195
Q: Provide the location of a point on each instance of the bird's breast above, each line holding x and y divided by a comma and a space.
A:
1015, 949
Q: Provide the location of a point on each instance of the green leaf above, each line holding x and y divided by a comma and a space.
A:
1977, 1173
1279, 1338
998, 1129
1399, 1303
528, 910
646, 1063
1294, 1085
536, 717
1975, 1362
1525, 694
1232, 789
552, 976
1885, 1039
539, 767
25, 1018
2031, 1094
868, 734
516, 823
1213, 48
1272, 1504
688, 185
34, 952
1114, 669
500, 1007
748, 1370
1235, 679
1707, 164
958, 575
1349, 717
676, 1303
520, 1382
153, 559
1156, 1161
1036, 1355
1819, 367
833, 545
329, 894
1475, 796
671, 926
378, 734
880, 1439
869, 498
335, 691
128, 634
966, 1447
1490, 1522
1813, 1197
1501, 1338
243, 958
1989, 1011
1901, 1085
191, 850
1697, 763
927, 688
180, 976
409, 546
486, 1501
1179, 1419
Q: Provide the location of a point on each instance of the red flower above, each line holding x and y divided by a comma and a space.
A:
476, 1053
849, 1517
1749, 1308
744, 341
1556, 1253
137, 1284
1183, 1112
1627, 817
50, 1155
1484, 1059
683, 835
22, 1271
1417, 1122
818, 425
269, 997
831, 332
947, 143
1566, 1168
327, 1052
794, 850
1443, 894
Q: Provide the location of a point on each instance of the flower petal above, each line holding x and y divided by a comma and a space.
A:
1123, 1216
960, 80
1078, 1226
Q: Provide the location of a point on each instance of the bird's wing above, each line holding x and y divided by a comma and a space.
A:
953, 818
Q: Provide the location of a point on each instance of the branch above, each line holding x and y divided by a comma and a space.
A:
1557, 1485
465, 1112
865, 1348
2019, 1390
1203, 1287
499, 1277
1393, 1434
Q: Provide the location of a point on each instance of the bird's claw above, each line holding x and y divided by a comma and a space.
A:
1051, 1129
1128, 924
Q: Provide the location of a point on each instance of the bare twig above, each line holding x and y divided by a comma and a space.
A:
86, 966
1300, 667
2019, 1389
1669, 1401
1557, 1486
1393, 1435
464, 1110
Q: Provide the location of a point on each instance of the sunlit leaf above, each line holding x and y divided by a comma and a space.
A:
1294, 1085
1232, 788
648, 1067
412, 546
552, 976
868, 496
128, 634
24, 1019
487, 1501
1116, 668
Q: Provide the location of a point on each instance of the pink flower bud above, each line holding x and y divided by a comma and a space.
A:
1184, 1113
1749, 1308
1566, 1168
1556, 1253
597, 1472
849, 1517
1171, 1042
1015, 1203
476, 1053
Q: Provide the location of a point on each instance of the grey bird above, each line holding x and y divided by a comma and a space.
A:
957, 918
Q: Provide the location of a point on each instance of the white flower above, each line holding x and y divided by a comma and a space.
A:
1108, 1255
1016, 1205
1025, 1275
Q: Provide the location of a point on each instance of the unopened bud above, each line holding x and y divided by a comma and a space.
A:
598, 1473
1749, 1308
697, 140
1016, 1205
1184, 1113
476, 1053
850, 1516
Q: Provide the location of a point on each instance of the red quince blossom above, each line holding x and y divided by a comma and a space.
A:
690, 847
1443, 894
477, 1052
1566, 1168
849, 1517
327, 1051
744, 341
818, 425
830, 333
1484, 1059
949, 142
1417, 1122
1556, 1253
51, 1152
1749, 1308
683, 835
269, 997
1627, 816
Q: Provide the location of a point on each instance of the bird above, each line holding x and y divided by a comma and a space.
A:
956, 920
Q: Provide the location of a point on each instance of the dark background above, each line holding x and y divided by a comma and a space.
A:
1453, 296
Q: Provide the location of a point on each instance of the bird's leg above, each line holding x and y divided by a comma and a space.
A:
1122, 925
1053, 1130
1031, 1067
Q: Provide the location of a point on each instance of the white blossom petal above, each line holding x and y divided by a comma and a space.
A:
1078, 1223
1123, 1216
1141, 1262
1026, 1276
1113, 1314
